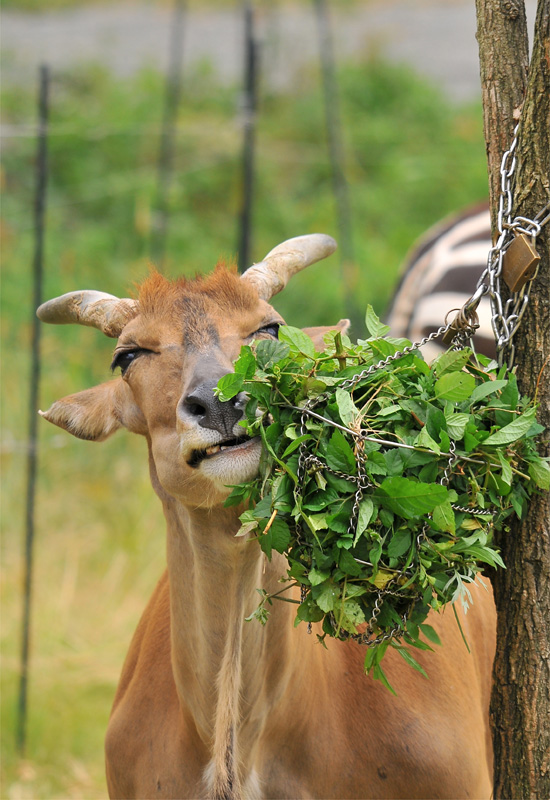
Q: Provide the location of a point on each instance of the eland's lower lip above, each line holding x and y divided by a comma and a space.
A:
214, 451
220, 448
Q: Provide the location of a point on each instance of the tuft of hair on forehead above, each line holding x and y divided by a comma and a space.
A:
161, 296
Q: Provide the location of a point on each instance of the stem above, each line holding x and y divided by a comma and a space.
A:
340, 354
271, 521
276, 595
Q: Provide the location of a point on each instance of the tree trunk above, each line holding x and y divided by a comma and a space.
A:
520, 700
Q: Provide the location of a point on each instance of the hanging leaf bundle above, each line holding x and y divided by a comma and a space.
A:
382, 477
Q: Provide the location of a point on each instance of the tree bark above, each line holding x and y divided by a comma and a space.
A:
504, 63
520, 703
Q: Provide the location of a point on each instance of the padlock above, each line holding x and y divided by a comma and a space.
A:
519, 263
452, 332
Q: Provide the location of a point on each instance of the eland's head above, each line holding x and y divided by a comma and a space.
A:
174, 344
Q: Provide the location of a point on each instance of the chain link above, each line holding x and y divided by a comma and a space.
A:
506, 316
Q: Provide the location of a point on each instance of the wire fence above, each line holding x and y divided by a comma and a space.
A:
169, 132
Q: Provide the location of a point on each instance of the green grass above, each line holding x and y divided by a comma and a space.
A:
410, 158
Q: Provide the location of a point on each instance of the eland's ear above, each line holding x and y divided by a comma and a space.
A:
317, 333
96, 413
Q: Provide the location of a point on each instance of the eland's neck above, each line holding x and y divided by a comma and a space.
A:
229, 673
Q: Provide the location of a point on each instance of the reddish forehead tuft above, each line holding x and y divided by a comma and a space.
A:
159, 296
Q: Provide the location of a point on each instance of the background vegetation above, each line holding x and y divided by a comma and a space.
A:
410, 158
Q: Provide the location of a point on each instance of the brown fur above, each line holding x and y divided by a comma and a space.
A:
160, 296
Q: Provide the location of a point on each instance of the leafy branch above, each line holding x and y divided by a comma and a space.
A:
383, 478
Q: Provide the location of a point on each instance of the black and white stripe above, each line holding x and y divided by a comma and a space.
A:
440, 274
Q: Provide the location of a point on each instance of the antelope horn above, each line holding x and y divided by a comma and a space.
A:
272, 274
97, 309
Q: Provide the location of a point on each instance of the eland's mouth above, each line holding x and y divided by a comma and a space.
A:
240, 443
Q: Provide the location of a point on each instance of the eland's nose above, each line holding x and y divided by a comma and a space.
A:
205, 408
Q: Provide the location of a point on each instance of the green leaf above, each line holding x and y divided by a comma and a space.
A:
317, 522
320, 499
456, 423
395, 460
539, 471
430, 633
485, 389
470, 442
348, 564
349, 615
229, 386
455, 386
506, 469
390, 411
444, 517
366, 513
376, 464
309, 611
379, 675
445, 441
381, 578
246, 528
345, 541
295, 444
346, 407
425, 440
451, 361
282, 494
317, 576
340, 456
298, 340
410, 498
510, 394
374, 326
374, 655
382, 348
246, 363
270, 352
435, 419
399, 543
514, 430
266, 543
412, 662
262, 509
280, 535
327, 596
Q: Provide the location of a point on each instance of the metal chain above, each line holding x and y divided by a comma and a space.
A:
350, 383
506, 316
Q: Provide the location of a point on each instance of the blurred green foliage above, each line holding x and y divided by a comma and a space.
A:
410, 157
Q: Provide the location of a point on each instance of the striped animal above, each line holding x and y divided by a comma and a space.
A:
440, 274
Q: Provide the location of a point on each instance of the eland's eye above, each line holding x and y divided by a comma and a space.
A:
124, 358
269, 330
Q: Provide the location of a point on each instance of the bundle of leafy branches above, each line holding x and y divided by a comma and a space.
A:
382, 477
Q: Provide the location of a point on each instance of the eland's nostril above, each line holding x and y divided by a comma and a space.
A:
194, 408
209, 412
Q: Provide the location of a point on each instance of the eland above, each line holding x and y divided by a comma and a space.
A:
210, 705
